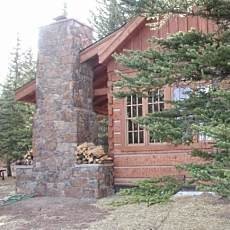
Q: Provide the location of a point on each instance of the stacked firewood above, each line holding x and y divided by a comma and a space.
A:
89, 153
27, 159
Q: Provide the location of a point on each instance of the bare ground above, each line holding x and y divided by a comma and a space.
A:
193, 213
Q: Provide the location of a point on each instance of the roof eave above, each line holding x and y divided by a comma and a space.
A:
107, 46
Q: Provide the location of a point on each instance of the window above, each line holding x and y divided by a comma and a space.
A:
156, 101
155, 104
202, 137
136, 107
134, 110
181, 93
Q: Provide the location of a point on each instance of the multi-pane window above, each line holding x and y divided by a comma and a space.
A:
155, 104
203, 137
182, 93
136, 107
134, 110
156, 101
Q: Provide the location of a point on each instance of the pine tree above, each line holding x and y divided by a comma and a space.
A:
109, 16
28, 67
190, 58
15, 117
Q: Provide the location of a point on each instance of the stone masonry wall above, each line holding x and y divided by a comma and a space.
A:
88, 182
64, 116
91, 181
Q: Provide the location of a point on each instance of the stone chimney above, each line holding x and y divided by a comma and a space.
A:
64, 116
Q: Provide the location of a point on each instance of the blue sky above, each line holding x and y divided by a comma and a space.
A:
26, 16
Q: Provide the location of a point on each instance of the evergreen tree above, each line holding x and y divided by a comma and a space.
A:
28, 67
191, 58
109, 16
15, 117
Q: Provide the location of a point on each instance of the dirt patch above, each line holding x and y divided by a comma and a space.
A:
49, 213
52, 213
46, 212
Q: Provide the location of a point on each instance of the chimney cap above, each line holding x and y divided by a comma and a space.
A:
59, 18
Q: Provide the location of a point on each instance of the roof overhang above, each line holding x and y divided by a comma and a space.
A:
104, 48
27, 92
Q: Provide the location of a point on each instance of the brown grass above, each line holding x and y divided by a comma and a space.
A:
191, 213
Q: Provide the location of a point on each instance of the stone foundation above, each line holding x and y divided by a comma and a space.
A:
24, 180
91, 181
87, 182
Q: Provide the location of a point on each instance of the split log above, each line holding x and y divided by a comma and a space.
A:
89, 153
27, 159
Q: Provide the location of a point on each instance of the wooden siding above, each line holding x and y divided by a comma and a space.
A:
137, 162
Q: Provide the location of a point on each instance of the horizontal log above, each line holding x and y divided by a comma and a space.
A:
117, 138
101, 100
154, 159
165, 148
101, 111
100, 92
117, 126
146, 172
127, 181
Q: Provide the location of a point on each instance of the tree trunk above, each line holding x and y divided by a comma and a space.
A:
9, 174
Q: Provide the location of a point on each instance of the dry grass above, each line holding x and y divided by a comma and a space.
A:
53, 213
190, 213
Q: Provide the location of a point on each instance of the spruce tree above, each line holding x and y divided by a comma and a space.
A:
109, 16
28, 67
16, 117
191, 58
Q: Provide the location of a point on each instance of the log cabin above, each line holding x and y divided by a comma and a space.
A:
135, 155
